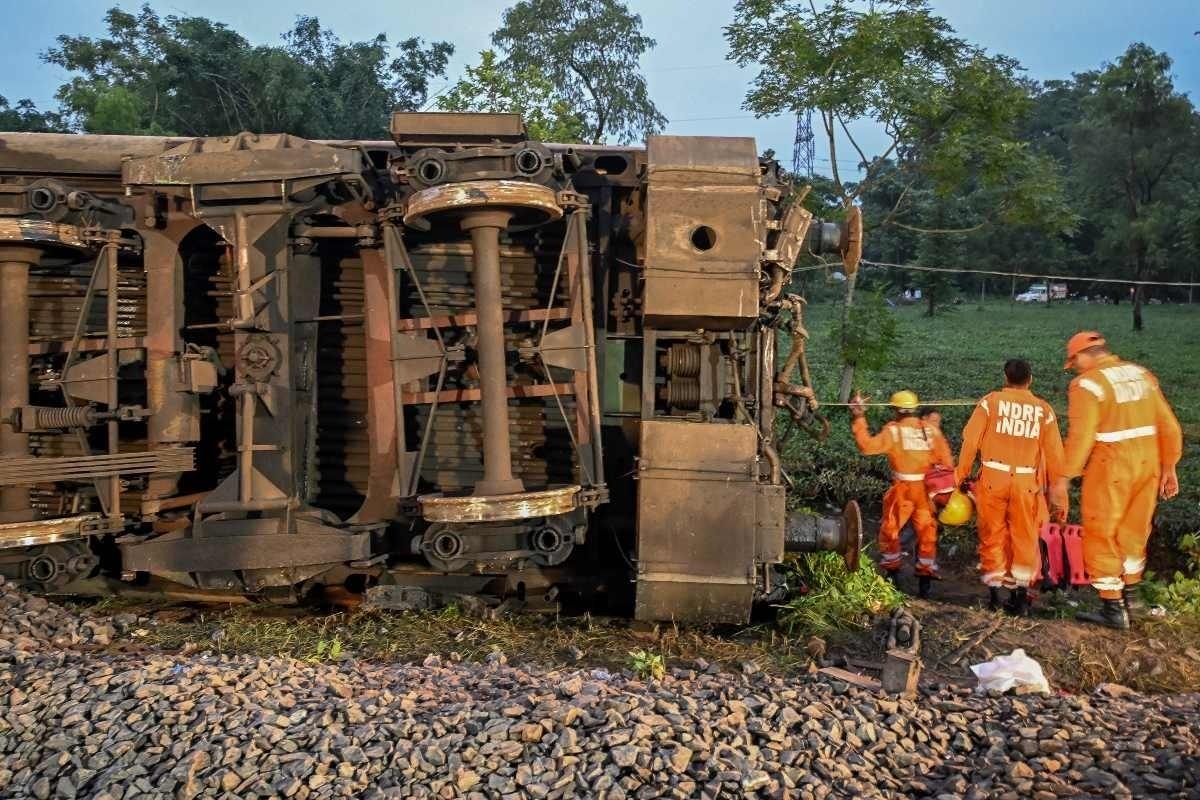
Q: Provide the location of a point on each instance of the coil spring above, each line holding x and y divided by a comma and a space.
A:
67, 417
682, 393
683, 360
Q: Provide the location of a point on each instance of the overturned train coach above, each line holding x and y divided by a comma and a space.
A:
456, 363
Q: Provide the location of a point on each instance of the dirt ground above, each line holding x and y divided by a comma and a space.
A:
1159, 655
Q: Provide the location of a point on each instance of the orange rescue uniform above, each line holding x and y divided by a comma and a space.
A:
1124, 432
1015, 433
912, 447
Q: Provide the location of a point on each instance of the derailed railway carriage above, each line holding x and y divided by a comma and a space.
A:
457, 363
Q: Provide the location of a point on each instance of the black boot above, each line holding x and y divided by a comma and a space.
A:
1112, 614
1133, 604
994, 603
924, 583
1018, 602
891, 575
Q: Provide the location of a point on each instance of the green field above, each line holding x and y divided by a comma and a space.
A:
960, 354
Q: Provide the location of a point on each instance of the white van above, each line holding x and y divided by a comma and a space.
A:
1041, 293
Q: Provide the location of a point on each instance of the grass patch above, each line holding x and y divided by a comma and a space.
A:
835, 601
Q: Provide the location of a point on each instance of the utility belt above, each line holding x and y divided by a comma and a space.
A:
1002, 467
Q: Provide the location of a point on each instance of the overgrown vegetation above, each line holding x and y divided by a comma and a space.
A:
1181, 594
833, 600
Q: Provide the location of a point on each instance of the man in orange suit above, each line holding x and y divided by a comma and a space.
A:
912, 447
1125, 441
1015, 434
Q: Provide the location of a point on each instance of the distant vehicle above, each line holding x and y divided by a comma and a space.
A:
1040, 293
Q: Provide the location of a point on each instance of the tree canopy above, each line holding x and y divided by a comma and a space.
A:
589, 51
951, 110
24, 116
194, 77
496, 86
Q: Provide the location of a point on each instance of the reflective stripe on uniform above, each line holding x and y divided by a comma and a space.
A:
992, 579
1134, 566
1128, 433
1108, 584
908, 476
984, 404
1000, 465
1092, 386
1023, 577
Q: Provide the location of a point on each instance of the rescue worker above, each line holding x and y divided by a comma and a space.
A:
1125, 441
1015, 434
912, 447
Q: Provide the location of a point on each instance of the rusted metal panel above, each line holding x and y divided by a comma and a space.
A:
770, 519
455, 127
705, 232
696, 512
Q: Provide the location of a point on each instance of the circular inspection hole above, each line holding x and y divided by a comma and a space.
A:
704, 238
528, 162
430, 170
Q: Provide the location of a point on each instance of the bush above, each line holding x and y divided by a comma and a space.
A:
869, 336
833, 600
1182, 595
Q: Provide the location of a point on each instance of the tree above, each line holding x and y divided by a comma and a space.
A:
1131, 153
494, 85
24, 116
194, 77
589, 50
950, 110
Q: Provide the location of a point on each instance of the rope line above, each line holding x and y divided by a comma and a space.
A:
923, 403
997, 273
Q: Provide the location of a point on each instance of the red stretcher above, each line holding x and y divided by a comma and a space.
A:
1063, 546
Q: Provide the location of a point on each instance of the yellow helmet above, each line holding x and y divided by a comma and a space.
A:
958, 509
905, 400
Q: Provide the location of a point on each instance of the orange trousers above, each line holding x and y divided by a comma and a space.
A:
1011, 509
1119, 498
905, 501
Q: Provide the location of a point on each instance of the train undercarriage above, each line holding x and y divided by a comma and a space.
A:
457, 362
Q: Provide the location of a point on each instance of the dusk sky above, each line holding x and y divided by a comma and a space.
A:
690, 80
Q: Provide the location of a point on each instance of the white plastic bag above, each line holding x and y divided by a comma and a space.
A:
1006, 672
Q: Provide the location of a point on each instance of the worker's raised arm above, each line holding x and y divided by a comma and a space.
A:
1083, 398
870, 445
1170, 435
971, 437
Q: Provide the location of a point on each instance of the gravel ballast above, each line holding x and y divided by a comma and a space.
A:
78, 720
